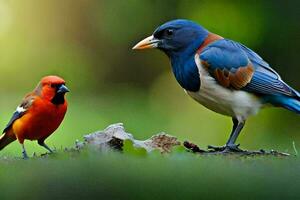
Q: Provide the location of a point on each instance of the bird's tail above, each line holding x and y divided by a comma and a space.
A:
6, 139
290, 103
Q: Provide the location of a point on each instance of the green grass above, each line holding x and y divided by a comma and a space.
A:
177, 176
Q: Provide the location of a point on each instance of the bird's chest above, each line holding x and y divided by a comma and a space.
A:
40, 122
214, 97
223, 100
186, 73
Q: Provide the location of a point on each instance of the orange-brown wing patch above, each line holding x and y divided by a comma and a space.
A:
237, 80
209, 39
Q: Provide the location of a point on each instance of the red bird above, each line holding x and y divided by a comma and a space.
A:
39, 114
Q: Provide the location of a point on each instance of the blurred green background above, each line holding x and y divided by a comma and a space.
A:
88, 42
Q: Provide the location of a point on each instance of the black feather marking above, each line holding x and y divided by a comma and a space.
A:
59, 98
26, 103
15, 116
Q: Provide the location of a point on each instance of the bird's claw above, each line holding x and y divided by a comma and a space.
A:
233, 148
51, 151
226, 149
216, 148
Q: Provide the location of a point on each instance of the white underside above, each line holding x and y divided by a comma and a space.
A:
234, 103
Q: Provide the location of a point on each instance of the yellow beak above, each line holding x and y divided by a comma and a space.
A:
147, 43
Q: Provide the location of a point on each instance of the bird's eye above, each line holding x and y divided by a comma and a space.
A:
53, 85
169, 32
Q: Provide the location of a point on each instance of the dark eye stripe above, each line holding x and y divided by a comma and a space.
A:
164, 33
55, 85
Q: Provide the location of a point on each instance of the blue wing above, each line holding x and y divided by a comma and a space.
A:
236, 66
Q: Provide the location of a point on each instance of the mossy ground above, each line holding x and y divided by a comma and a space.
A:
129, 175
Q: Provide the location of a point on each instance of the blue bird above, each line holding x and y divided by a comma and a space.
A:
223, 75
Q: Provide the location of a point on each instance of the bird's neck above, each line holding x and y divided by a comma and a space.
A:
211, 37
185, 68
58, 99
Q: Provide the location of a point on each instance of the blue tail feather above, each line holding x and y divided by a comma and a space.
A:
290, 103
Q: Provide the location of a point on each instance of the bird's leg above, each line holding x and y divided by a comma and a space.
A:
42, 143
230, 144
24, 153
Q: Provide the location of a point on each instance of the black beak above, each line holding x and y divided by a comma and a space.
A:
63, 89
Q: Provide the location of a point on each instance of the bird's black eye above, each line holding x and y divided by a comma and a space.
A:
53, 85
169, 32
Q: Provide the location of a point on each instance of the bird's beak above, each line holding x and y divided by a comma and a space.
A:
63, 89
147, 43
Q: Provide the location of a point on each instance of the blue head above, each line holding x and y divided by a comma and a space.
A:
175, 37
179, 39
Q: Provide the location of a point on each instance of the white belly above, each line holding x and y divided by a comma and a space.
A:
234, 103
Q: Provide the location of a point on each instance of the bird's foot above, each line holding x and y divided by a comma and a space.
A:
48, 153
229, 148
216, 148
47, 147
25, 156
51, 151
